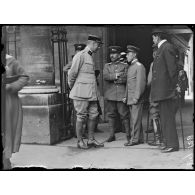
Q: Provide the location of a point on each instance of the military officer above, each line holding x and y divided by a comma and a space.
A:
82, 81
163, 89
78, 47
114, 74
136, 81
154, 108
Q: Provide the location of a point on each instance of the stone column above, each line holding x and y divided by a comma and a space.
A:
42, 105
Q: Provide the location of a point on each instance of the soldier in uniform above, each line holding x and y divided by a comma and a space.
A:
82, 81
154, 108
78, 47
163, 89
115, 77
136, 81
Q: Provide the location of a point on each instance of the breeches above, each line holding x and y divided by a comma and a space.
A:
86, 109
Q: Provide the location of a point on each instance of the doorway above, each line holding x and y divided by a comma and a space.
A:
138, 35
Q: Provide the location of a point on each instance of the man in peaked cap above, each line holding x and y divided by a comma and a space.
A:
83, 85
163, 89
115, 77
78, 47
136, 81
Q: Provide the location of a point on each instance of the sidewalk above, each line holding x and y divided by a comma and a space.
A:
114, 155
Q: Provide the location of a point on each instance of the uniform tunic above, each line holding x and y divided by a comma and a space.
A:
115, 90
14, 115
136, 81
81, 77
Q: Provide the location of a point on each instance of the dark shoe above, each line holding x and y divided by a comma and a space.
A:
127, 143
154, 143
149, 131
81, 144
141, 142
162, 146
94, 143
131, 143
111, 139
167, 150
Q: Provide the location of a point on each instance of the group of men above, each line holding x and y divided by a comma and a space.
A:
125, 86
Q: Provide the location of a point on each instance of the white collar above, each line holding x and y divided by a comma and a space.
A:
8, 56
87, 47
134, 60
161, 42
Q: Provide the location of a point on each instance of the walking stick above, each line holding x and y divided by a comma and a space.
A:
180, 111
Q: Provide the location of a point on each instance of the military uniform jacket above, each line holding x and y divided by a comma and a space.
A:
136, 82
115, 88
81, 77
164, 73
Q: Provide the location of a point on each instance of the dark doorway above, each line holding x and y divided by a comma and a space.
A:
138, 35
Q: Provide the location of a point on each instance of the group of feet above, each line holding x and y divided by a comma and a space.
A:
95, 144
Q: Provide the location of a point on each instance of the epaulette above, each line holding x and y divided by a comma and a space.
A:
90, 53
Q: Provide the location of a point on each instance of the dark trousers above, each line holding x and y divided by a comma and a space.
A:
114, 107
168, 123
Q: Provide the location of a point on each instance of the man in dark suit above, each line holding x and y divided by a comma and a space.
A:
163, 89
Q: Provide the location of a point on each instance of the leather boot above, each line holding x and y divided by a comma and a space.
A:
92, 142
157, 141
112, 123
127, 131
79, 127
81, 144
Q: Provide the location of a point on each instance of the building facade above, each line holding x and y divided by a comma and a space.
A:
44, 50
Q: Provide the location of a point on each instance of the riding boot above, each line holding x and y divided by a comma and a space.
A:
79, 127
92, 142
157, 141
127, 131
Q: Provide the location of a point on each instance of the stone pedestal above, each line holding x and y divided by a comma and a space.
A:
42, 121
42, 104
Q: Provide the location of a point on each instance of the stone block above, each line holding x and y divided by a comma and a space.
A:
42, 118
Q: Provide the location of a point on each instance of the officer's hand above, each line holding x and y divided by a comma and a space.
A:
178, 89
119, 74
125, 100
135, 101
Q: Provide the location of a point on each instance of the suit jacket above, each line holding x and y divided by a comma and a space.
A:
164, 73
81, 77
115, 88
136, 82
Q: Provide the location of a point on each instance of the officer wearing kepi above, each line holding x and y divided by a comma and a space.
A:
115, 77
82, 81
136, 81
